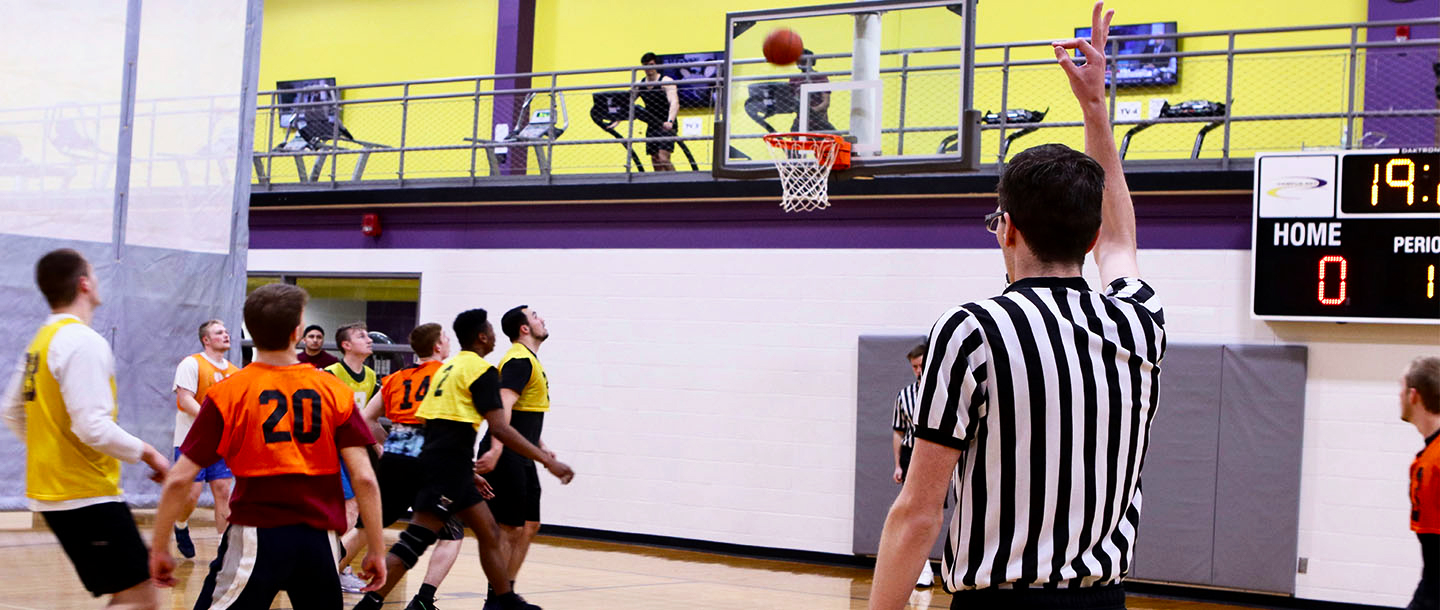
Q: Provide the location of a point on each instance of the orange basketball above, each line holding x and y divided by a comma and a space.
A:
783, 47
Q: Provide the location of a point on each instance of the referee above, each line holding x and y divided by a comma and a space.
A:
904, 438
904, 420
1039, 400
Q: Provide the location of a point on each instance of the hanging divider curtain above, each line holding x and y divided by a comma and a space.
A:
125, 131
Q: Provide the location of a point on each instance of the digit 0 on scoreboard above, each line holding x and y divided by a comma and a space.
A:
1346, 236
1337, 279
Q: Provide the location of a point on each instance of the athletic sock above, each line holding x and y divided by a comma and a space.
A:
371, 601
427, 593
184, 525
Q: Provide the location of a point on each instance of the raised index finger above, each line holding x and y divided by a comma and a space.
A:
1093, 56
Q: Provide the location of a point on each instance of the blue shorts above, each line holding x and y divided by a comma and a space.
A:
345, 482
213, 472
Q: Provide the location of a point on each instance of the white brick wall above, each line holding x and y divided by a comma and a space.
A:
679, 376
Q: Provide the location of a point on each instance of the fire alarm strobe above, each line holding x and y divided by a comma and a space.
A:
370, 225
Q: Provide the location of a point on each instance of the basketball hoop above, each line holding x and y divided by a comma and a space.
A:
804, 161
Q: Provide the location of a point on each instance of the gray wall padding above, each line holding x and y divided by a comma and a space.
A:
1225, 447
1177, 524
883, 371
1257, 499
154, 300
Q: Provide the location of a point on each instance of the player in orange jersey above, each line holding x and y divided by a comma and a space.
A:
1420, 405
400, 471
193, 378
284, 428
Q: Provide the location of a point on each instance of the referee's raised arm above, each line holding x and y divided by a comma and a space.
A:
1047, 391
1115, 245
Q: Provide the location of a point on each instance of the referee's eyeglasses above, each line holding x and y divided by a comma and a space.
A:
992, 221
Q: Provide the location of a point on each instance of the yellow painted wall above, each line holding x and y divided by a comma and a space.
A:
1270, 84
373, 40
572, 34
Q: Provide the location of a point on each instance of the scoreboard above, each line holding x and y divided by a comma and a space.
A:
1346, 236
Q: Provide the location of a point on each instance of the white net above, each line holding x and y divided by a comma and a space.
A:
804, 172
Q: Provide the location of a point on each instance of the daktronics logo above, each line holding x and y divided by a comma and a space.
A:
1285, 188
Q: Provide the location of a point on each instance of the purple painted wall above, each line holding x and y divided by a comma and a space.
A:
1171, 221
394, 318
514, 54
1401, 78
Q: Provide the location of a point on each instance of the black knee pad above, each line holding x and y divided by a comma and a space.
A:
412, 544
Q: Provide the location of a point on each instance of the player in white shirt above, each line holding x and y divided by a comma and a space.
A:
193, 378
61, 404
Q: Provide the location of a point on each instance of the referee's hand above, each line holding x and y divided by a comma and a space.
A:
899, 476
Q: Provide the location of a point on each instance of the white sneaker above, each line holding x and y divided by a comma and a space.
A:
350, 583
927, 579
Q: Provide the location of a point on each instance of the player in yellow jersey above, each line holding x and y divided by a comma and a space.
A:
355, 346
61, 404
464, 392
525, 394
193, 378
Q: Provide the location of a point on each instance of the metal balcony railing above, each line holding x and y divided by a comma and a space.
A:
1322, 86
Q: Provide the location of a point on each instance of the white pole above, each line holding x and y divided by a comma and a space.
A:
865, 103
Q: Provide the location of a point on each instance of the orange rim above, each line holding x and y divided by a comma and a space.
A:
801, 140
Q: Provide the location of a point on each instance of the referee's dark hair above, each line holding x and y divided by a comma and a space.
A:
1053, 194
918, 351
469, 325
58, 275
511, 322
1424, 376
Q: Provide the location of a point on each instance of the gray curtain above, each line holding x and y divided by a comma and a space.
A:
136, 155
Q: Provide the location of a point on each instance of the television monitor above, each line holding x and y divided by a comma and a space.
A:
693, 95
287, 115
1151, 71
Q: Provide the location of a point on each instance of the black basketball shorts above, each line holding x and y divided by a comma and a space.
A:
103, 544
449, 467
401, 479
254, 564
516, 482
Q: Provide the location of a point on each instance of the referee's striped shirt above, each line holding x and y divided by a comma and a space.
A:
1049, 390
905, 414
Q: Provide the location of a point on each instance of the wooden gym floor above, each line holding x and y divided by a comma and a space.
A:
560, 573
